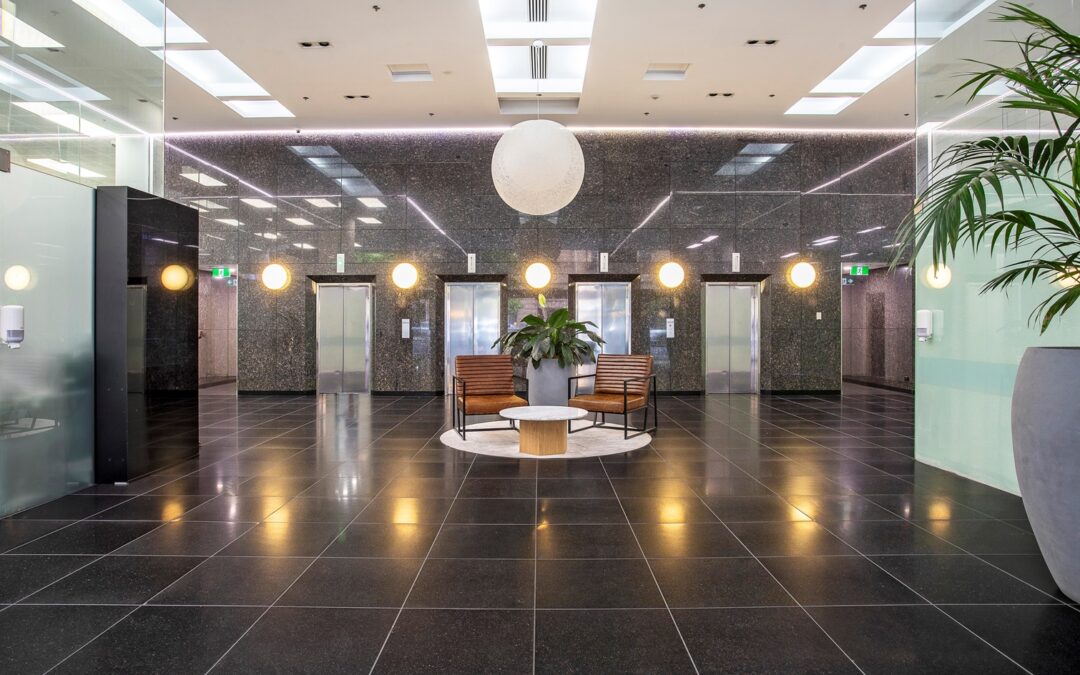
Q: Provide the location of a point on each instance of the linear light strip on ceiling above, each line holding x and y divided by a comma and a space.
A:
429, 131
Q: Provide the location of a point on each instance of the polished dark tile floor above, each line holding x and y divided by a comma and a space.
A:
755, 534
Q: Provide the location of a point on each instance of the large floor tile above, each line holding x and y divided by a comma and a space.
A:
1039, 638
717, 582
459, 641
960, 579
90, 537
234, 581
116, 580
609, 641
839, 580
22, 575
33, 639
474, 583
382, 540
594, 584
353, 582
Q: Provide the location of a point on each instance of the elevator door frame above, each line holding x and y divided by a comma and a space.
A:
448, 367
369, 322
755, 335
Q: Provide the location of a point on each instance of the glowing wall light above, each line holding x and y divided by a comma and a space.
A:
538, 275
17, 278
176, 278
275, 277
938, 277
671, 274
802, 275
405, 275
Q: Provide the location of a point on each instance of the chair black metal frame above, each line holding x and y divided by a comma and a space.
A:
626, 427
459, 420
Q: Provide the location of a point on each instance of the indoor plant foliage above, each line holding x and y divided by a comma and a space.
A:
557, 339
967, 202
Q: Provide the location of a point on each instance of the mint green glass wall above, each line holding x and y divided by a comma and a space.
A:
46, 386
964, 375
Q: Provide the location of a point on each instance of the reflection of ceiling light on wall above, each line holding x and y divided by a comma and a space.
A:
306, 247
709, 238
14, 29
697, 245
299, 221
65, 167
825, 241
64, 119
370, 221
820, 105
789, 255
867, 68
17, 277
321, 203
142, 27
849, 255
214, 72
207, 204
372, 202
258, 203
267, 235
871, 229
229, 221
201, 178
259, 108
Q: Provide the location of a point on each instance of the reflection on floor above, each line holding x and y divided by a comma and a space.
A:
333, 534
223, 389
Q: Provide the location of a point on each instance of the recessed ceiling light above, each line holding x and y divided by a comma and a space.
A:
229, 221
269, 108
137, 27
867, 68
321, 203
709, 238
372, 202
214, 72
65, 167
666, 71
871, 229
201, 178
820, 105
519, 21
14, 29
63, 119
410, 72
370, 221
511, 69
258, 203
299, 221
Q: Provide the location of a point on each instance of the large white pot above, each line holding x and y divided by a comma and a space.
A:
1046, 448
547, 384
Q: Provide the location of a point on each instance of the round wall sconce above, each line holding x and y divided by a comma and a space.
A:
176, 278
17, 278
404, 275
538, 275
671, 275
938, 277
275, 277
802, 275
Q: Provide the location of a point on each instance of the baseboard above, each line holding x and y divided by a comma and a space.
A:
909, 388
273, 392
801, 392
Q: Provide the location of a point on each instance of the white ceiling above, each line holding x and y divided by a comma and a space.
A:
814, 37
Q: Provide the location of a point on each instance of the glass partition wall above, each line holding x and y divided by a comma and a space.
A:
965, 373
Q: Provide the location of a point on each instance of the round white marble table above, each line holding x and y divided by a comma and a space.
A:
543, 427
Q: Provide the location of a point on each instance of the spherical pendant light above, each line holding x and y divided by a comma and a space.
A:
538, 167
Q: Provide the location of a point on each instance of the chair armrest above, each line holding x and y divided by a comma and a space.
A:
628, 380
570, 388
454, 382
578, 377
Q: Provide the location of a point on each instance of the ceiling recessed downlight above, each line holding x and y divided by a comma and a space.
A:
269, 108
820, 105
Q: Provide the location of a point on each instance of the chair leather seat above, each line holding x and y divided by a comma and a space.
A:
606, 403
488, 404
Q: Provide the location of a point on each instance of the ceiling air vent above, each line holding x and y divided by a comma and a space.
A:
538, 10
538, 56
547, 106
666, 71
410, 72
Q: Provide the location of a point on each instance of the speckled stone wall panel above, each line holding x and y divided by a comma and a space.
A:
438, 202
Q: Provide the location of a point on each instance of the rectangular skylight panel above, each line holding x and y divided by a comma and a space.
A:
936, 20
177, 32
372, 202
370, 221
144, 30
63, 119
321, 203
14, 29
259, 203
820, 105
214, 72
511, 68
299, 221
550, 20
269, 108
867, 68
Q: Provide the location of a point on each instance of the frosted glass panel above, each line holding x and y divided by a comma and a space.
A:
46, 386
964, 375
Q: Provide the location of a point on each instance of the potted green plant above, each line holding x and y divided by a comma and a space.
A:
967, 203
553, 345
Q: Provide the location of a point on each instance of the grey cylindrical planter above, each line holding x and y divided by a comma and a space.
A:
547, 384
1046, 448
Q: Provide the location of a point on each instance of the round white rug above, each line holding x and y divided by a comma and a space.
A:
504, 443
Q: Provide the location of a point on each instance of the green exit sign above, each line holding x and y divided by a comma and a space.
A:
860, 270
221, 272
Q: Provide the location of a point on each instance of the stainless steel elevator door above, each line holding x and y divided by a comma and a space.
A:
343, 318
607, 305
731, 338
471, 323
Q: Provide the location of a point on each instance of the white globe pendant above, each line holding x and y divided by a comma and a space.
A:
538, 167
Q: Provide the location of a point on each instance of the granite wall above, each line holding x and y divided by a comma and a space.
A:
440, 203
879, 329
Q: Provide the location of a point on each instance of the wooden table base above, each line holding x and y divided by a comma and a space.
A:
543, 438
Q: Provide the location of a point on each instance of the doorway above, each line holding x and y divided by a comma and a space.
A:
731, 345
343, 325
471, 323
217, 330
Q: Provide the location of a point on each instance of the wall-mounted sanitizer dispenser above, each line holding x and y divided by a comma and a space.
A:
11, 325
924, 325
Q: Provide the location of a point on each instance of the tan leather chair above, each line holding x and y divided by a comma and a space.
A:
623, 384
484, 385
